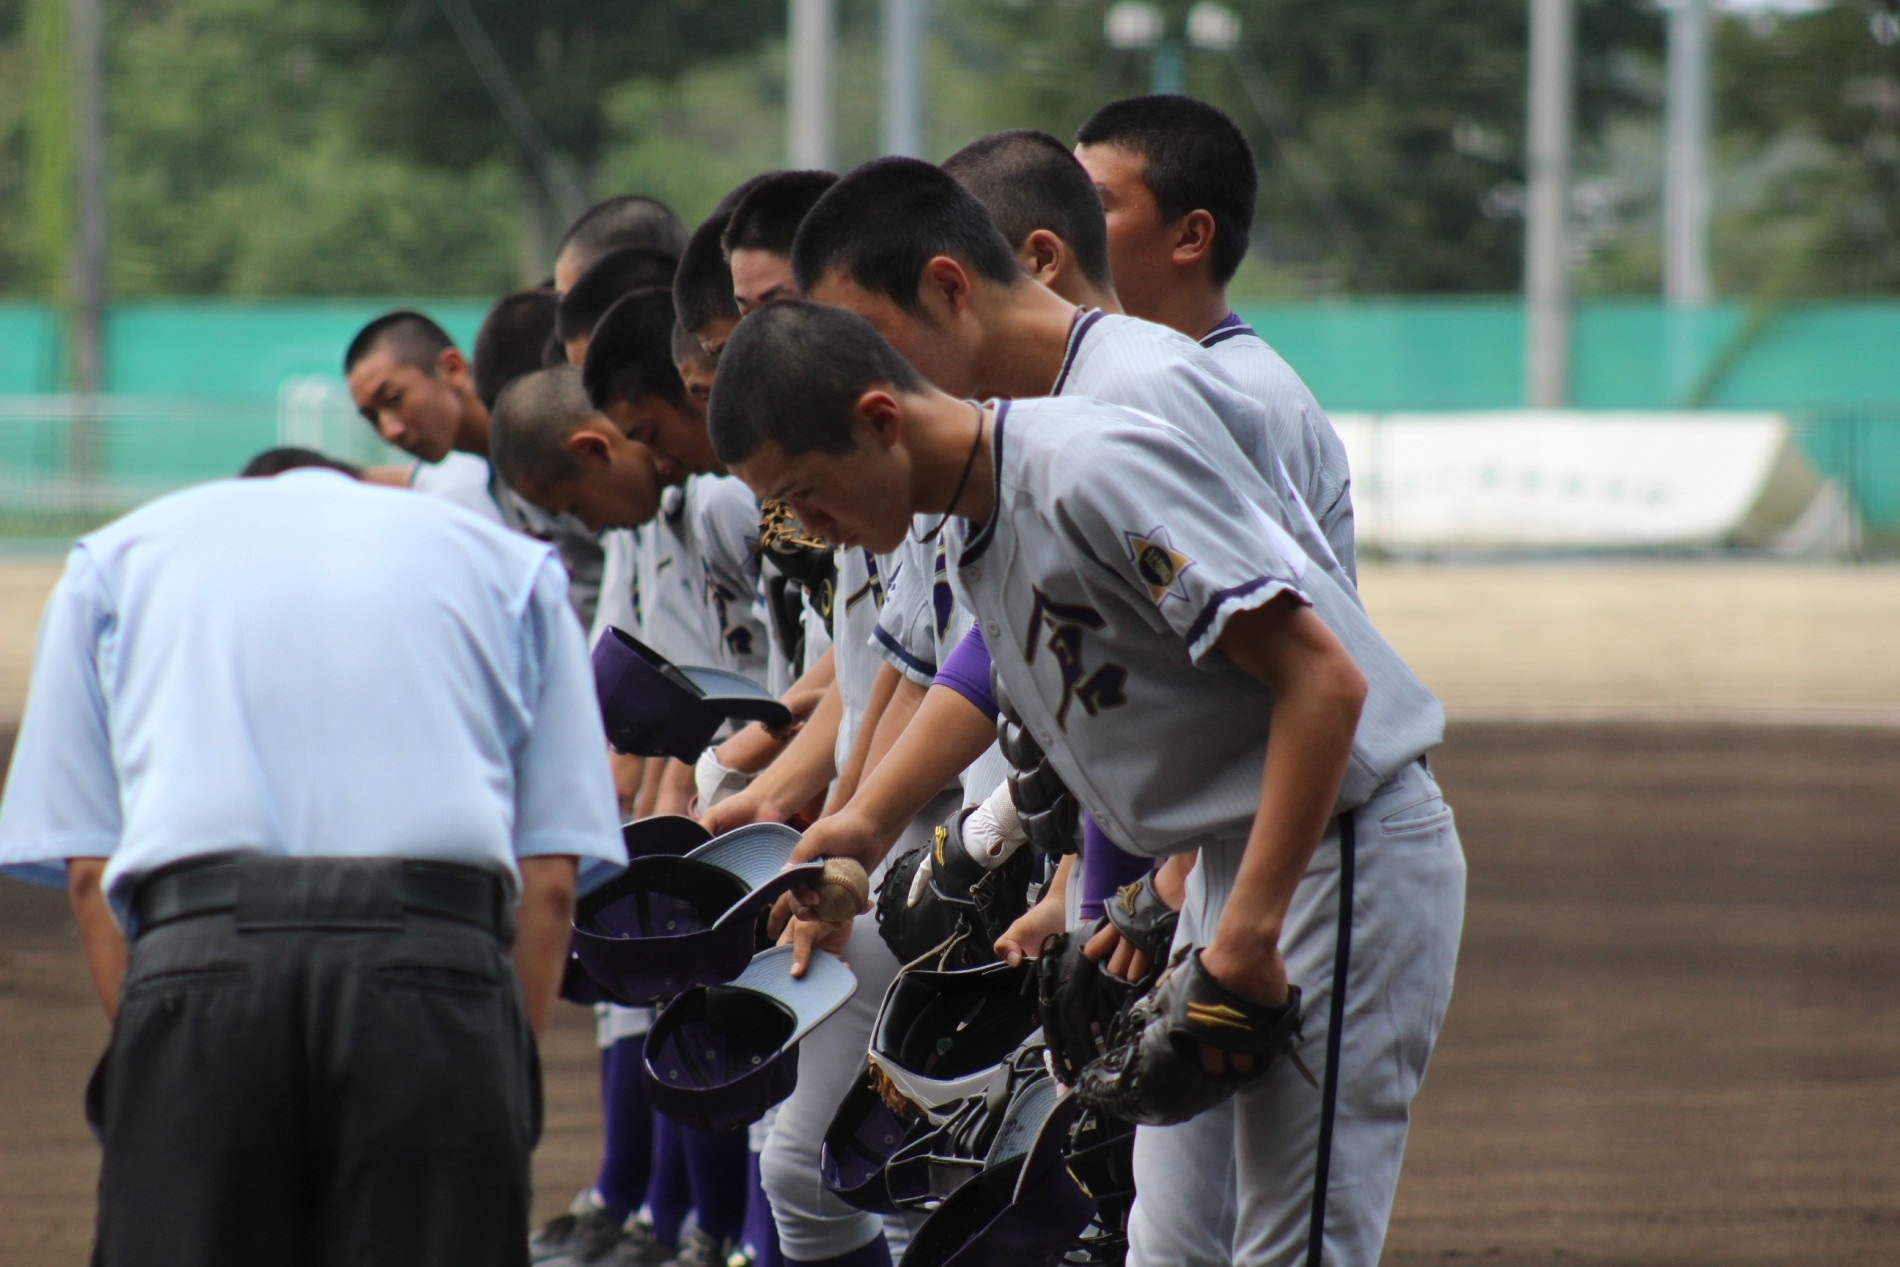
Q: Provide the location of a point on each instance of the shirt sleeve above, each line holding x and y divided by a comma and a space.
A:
1180, 532
564, 792
62, 794
906, 625
966, 670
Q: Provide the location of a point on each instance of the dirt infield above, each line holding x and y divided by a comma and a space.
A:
1675, 1038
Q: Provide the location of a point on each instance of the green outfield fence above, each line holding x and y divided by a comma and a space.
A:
193, 389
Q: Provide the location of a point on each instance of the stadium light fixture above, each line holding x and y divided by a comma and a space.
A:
1213, 27
1133, 25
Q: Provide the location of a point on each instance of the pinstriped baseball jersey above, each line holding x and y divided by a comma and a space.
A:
863, 580
1119, 548
1302, 434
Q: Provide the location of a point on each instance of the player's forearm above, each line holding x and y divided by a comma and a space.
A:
543, 927
99, 935
906, 699
808, 763
946, 735
856, 761
1315, 715
755, 747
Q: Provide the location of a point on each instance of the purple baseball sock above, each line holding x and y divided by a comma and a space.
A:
624, 1162
670, 1195
761, 1234
716, 1164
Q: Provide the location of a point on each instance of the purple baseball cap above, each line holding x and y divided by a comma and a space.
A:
667, 924
719, 1056
865, 1133
656, 709
671, 834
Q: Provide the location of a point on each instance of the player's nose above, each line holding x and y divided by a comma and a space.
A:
389, 427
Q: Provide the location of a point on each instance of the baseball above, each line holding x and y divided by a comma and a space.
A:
844, 891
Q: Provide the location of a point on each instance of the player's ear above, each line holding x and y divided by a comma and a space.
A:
589, 447
946, 282
1042, 256
452, 367
1193, 237
879, 410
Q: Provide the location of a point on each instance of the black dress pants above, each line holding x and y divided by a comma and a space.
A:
319, 1077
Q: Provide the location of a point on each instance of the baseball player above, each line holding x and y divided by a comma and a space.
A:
628, 220
1177, 181
512, 340
614, 276
318, 846
413, 385
1282, 738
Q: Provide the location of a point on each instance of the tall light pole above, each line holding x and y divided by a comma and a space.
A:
1686, 198
86, 29
902, 126
1546, 242
813, 45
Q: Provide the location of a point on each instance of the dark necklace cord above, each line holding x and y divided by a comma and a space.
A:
963, 480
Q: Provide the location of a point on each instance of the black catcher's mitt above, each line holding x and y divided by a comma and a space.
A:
1153, 1073
954, 912
1079, 998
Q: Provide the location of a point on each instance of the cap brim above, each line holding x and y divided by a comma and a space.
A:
827, 985
757, 853
736, 696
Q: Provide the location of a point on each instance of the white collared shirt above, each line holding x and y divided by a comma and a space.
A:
308, 666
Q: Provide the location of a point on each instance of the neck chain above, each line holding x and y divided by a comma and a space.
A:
963, 480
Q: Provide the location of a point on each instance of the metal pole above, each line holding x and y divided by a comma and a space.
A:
1686, 200
903, 121
1170, 71
814, 28
86, 29
1546, 247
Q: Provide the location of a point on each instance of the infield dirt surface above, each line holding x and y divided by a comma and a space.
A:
1675, 1036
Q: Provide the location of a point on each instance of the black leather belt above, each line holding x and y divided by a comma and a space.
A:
468, 894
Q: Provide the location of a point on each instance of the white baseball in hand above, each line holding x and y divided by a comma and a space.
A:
844, 891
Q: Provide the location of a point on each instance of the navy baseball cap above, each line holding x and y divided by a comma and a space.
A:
1023, 1206
656, 709
658, 834
719, 1056
667, 924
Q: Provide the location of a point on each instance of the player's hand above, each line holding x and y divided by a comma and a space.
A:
1253, 972
739, 810
845, 834
805, 932
1023, 939
1125, 960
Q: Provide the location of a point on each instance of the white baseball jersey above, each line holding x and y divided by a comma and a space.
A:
921, 623
1302, 434
695, 577
619, 553
463, 478
1162, 372
1119, 548
863, 580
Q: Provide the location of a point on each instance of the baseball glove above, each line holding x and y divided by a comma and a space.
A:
797, 555
1080, 999
943, 905
1145, 922
1153, 1072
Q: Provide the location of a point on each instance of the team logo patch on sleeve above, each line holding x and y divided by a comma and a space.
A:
1158, 564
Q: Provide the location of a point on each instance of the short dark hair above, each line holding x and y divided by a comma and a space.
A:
511, 340
791, 375
1193, 158
527, 435
615, 274
702, 289
405, 334
623, 221
631, 354
688, 350
882, 223
1029, 180
768, 216
277, 461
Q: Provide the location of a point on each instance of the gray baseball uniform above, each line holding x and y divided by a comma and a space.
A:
1302, 434
1119, 548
